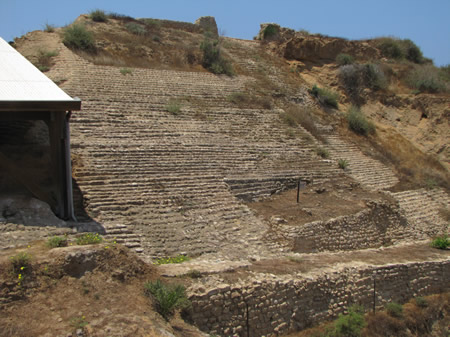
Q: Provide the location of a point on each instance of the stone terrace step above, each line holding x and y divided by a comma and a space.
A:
422, 209
369, 172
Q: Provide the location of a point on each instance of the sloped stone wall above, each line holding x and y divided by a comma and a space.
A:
268, 305
382, 224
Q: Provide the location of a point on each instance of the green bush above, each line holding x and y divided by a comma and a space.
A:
343, 164
325, 96
56, 241
441, 242
394, 309
117, 16
401, 49
344, 59
77, 37
20, 262
167, 298
349, 325
427, 78
324, 153
374, 77
89, 239
358, 123
444, 73
412, 51
391, 48
213, 59
136, 28
421, 302
174, 107
270, 31
98, 16
356, 77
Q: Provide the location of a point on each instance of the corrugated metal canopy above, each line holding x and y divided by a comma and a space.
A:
24, 87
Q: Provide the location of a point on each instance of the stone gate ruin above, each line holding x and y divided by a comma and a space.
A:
34, 135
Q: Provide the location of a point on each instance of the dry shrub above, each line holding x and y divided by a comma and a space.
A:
414, 167
296, 115
382, 324
244, 100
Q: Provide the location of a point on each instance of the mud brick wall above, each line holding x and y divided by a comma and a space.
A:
269, 305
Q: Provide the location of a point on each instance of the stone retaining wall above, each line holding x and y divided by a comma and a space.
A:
269, 305
382, 224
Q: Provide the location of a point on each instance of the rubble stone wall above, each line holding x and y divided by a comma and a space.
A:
269, 305
382, 224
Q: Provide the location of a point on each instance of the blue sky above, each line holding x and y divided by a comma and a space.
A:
427, 23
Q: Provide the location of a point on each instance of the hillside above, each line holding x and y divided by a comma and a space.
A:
169, 158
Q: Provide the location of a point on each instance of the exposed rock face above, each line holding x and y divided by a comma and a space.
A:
27, 211
313, 48
278, 32
208, 23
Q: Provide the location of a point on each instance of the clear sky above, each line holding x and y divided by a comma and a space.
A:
426, 22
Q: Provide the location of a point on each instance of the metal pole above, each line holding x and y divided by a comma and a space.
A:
374, 294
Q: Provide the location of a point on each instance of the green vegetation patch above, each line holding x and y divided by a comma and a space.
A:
126, 71
45, 59
89, 239
167, 298
213, 59
400, 49
170, 260
441, 242
174, 107
56, 241
325, 96
98, 15
344, 59
343, 164
136, 28
428, 78
349, 325
358, 123
20, 262
322, 152
78, 37
394, 309
270, 31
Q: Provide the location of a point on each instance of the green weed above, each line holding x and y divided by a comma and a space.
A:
89, 239
343, 164
324, 153
171, 260
167, 298
126, 71
56, 241
441, 242
174, 107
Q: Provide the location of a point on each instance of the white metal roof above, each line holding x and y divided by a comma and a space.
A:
20, 80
